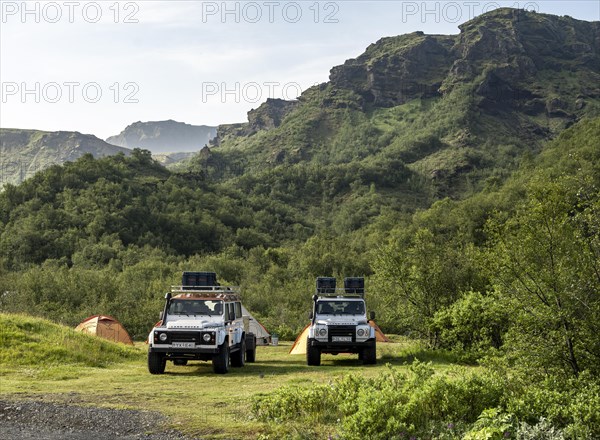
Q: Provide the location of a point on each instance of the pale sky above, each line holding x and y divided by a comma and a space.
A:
96, 67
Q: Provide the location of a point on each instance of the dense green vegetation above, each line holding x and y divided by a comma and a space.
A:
471, 208
507, 277
418, 403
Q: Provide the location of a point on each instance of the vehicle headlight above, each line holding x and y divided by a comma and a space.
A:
206, 337
322, 332
162, 337
360, 332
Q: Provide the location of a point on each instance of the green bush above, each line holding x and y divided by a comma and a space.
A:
571, 404
472, 325
390, 405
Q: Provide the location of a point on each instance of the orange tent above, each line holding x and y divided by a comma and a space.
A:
106, 327
299, 346
379, 336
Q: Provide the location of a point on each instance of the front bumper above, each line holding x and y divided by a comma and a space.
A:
342, 347
198, 350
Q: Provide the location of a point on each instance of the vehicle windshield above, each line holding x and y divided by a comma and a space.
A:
340, 308
195, 307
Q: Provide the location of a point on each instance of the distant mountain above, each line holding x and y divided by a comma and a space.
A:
164, 136
25, 152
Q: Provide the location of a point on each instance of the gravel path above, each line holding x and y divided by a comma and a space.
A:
34, 420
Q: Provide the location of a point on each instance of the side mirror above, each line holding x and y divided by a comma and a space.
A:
168, 295
310, 315
371, 315
315, 297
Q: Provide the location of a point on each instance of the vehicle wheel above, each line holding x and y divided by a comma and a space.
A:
180, 362
156, 363
237, 358
251, 355
250, 348
221, 360
369, 355
313, 354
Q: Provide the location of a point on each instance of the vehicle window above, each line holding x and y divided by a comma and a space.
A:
238, 310
195, 307
340, 308
226, 309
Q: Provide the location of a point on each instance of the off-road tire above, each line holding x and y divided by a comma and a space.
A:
369, 355
221, 360
250, 348
313, 354
180, 362
156, 363
238, 358
251, 355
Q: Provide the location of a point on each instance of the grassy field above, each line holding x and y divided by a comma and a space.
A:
195, 400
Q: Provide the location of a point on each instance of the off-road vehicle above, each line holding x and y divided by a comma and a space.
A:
339, 322
201, 320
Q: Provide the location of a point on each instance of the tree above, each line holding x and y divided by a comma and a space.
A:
545, 263
418, 276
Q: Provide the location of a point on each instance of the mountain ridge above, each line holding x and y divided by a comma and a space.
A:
164, 136
23, 152
457, 109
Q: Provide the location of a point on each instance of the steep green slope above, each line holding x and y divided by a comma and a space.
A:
453, 110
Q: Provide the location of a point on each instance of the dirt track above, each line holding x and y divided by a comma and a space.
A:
34, 420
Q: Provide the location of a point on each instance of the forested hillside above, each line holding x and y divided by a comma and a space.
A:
459, 174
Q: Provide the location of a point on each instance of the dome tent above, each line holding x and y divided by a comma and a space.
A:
105, 327
263, 337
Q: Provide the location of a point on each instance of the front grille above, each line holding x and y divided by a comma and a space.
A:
185, 337
342, 330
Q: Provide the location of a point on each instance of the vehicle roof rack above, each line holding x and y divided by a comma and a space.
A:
340, 292
217, 292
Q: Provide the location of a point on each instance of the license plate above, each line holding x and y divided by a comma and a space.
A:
183, 345
341, 339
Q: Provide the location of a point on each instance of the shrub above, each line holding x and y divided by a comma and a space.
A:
472, 325
390, 405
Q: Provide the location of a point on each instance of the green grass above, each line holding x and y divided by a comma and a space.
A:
89, 371
35, 342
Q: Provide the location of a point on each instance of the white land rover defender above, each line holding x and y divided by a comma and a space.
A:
201, 321
339, 322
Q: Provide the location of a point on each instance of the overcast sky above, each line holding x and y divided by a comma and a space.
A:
96, 67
